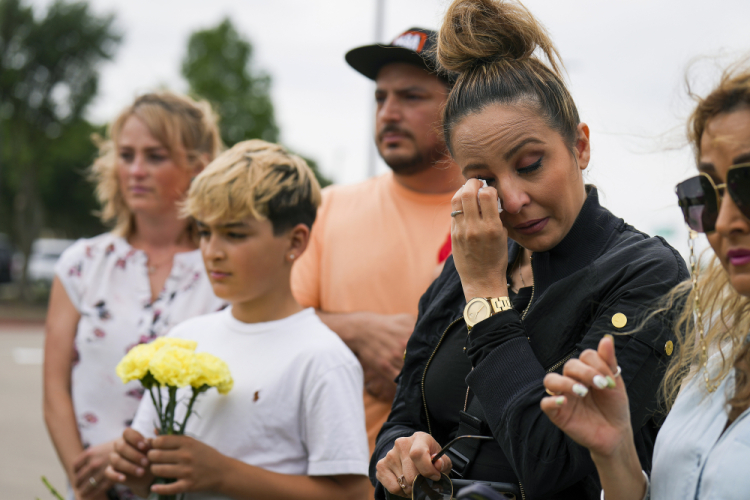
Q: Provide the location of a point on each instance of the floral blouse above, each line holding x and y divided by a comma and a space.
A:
107, 281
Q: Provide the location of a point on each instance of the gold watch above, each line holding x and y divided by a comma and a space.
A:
480, 308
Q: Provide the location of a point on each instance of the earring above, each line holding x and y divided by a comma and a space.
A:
291, 256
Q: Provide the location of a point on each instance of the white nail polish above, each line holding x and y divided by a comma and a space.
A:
580, 390
600, 382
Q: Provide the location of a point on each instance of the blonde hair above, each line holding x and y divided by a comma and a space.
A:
491, 45
255, 179
178, 122
727, 312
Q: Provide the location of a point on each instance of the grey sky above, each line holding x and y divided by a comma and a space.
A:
626, 62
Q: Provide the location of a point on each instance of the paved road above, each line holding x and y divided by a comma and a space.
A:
26, 452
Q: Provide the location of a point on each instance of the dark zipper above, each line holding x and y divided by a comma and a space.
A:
533, 289
424, 374
552, 368
561, 362
525, 312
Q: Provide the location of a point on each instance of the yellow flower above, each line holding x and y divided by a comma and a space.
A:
134, 366
173, 342
175, 366
213, 372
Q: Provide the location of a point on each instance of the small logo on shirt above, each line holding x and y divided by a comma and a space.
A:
256, 397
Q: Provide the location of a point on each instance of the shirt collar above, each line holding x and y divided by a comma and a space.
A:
585, 241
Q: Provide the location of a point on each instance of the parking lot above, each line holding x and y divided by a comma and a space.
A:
26, 452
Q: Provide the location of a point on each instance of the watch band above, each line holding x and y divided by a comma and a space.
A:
500, 304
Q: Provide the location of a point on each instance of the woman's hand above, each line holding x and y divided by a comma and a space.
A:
408, 457
91, 465
599, 420
195, 465
592, 408
479, 242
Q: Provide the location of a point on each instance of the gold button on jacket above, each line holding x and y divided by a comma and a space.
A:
619, 320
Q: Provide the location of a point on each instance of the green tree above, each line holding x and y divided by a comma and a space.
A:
218, 67
48, 77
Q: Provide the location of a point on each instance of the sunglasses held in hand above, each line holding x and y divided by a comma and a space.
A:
424, 488
700, 198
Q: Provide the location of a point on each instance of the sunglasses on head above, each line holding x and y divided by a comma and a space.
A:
700, 198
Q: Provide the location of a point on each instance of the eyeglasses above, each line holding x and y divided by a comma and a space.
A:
700, 199
425, 488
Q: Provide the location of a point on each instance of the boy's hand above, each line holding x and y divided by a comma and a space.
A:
195, 466
129, 464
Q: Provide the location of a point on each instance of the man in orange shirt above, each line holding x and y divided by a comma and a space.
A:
376, 246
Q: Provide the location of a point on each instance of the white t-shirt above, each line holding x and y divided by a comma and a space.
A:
107, 281
296, 405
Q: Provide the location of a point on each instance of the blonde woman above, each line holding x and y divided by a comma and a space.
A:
127, 286
703, 449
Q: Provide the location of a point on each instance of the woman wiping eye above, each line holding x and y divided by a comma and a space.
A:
525, 278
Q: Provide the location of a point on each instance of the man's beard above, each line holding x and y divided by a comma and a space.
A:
413, 164
407, 165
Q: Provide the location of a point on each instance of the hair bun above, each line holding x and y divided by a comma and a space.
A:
480, 32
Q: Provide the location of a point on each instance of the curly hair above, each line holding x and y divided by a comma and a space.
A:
727, 310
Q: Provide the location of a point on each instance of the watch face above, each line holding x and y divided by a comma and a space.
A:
476, 311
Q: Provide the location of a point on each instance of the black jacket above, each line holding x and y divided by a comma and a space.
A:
602, 267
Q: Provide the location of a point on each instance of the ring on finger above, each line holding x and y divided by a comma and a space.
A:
618, 372
92, 481
401, 482
549, 392
456, 212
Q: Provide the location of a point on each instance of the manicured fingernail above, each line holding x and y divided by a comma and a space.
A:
560, 400
609, 336
144, 462
138, 471
141, 445
580, 390
611, 384
600, 382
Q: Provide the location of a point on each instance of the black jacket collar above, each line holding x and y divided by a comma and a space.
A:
585, 241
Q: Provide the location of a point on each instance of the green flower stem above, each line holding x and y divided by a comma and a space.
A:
171, 408
153, 400
190, 408
162, 416
167, 415
52, 489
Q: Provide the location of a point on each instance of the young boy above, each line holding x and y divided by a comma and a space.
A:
293, 425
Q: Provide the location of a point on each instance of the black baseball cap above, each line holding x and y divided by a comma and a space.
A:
414, 46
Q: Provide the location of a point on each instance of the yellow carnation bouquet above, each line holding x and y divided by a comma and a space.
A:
173, 363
